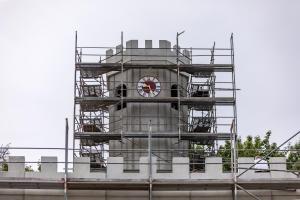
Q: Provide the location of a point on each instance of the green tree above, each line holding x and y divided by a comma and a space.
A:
293, 157
4, 167
28, 168
4, 153
250, 147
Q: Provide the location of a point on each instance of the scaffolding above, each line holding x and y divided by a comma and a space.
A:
197, 103
206, 105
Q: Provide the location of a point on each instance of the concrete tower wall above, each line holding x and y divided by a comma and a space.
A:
137, 116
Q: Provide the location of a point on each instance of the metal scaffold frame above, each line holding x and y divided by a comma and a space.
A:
204, 122
92, 124
202, 96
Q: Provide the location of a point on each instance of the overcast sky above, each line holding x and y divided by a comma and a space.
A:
37, 57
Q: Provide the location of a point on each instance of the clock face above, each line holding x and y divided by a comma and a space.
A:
148, 86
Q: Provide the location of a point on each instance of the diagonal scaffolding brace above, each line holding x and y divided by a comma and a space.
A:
266, 156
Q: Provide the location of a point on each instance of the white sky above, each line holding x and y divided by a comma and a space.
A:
37, 57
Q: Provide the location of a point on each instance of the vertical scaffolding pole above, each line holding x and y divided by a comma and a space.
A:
150, 159
122, 89
178, 86
234, 134
66, 160
74, 108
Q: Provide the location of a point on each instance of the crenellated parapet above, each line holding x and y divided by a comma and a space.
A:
163, 54
115, 169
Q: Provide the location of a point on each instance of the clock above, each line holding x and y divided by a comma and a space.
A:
148, 86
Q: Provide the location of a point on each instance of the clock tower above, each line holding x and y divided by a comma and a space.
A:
145, 92
141, 100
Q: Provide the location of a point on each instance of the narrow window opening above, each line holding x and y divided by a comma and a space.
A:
174, 93
118, 93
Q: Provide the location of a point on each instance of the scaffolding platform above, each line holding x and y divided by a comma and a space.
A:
97, 69
205, 138
143, 184
93, 103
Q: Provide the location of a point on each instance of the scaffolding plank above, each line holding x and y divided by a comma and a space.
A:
30, 183
143, 184
102, 68
184, 135
107, 101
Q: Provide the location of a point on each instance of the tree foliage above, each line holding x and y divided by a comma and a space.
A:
4, 153
293, 156
251, 147
28, 168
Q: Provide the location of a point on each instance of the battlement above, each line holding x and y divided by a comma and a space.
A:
163, 54
115, 169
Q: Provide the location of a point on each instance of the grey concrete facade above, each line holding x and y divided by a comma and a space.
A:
115, 171
135, 117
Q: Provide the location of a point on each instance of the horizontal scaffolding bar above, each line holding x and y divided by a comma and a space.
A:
184, 136
195, 101
143, 184
102, 68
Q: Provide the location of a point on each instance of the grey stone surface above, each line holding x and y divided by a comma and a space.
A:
116, 169
136, 116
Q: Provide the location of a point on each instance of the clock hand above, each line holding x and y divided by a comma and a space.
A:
147, 86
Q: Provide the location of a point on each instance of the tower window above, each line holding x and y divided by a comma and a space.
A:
174, 93
118, 93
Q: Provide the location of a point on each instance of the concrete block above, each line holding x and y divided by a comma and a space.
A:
279, 163
132, 44
49, 165
144, 166
243, 164
109, 52
148, 43
181, 167
118, 48
115, 167
16, 166
186, 53
164, 44
82, 169
213, 166
81, 165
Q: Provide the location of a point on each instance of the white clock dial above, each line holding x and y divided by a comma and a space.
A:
148, 86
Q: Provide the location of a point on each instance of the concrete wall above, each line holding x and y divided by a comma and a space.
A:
115, 170
142, 195
136, 116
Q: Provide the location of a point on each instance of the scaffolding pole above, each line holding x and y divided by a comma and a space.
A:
66, 160
74, 108
178, 80
234, 132
150, 159
122, 82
